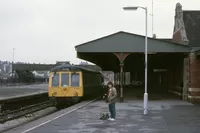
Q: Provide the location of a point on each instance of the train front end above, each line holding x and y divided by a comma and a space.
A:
65, 87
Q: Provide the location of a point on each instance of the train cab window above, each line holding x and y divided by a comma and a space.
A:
65, 80
55, 80
75, 79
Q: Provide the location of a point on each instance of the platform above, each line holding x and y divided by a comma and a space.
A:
17, 91
165, 116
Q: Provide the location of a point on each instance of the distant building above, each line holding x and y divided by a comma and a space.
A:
5, 66
5, 69
1, 67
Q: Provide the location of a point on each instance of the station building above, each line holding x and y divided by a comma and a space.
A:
173, 64
187, 32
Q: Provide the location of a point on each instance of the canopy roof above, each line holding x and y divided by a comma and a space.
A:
128, 42
67, 67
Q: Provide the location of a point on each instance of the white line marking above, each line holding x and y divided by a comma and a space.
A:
30, 129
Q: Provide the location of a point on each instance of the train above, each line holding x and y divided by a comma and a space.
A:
71, 84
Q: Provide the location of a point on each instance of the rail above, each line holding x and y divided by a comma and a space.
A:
14, 114
20, 101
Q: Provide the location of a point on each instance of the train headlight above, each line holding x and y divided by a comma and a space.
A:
75, 94
54, 93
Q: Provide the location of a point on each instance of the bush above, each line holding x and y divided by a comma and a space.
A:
25, 76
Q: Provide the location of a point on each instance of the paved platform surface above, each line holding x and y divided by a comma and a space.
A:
13, 91
164, 117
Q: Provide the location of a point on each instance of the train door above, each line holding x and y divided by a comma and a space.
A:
76, 83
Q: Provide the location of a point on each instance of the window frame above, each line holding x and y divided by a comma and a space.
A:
78, 73
69, 79
70, 75
52, 79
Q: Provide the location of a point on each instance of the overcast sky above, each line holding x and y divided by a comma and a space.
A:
46, 31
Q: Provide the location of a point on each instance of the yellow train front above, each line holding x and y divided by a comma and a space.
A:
70, 84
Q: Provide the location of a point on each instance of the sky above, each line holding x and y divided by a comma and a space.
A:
46, 31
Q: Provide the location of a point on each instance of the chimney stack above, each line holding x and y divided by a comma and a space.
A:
154, 36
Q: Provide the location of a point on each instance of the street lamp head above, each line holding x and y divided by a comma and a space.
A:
130, 8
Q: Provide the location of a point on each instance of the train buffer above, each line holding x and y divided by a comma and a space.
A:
163, 116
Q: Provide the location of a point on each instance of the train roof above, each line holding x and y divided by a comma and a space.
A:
67, 67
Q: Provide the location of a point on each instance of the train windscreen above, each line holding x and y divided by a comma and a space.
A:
65, 80
55, 80
75, 80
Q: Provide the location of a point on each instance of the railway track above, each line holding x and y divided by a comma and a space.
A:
14, 114
32, 111
27, 110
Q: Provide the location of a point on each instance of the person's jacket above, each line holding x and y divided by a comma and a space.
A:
112, 96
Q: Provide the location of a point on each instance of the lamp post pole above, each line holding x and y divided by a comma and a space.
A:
13, 54
145, 104
146, 66
13, 62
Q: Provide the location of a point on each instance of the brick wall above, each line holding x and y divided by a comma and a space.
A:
194, 79
191, 90
176, 37
185, 78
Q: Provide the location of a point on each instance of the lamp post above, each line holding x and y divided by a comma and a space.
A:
13, 54
13, 61
134, 8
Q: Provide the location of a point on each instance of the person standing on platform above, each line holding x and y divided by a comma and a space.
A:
111, 100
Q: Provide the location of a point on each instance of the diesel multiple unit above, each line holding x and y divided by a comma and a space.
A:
69, 83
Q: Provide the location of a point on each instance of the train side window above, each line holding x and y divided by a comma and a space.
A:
55, 80
75, 80
65, 80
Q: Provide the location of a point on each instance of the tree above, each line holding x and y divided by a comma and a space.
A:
25, 76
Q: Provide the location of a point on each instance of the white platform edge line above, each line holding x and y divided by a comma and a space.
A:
30, 129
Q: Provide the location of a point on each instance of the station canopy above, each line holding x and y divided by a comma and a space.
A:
103, 51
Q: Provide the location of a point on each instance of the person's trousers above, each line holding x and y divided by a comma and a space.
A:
112, 110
